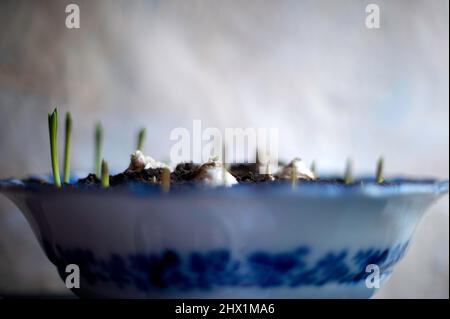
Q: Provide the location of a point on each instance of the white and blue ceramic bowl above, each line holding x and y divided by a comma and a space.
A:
258, 241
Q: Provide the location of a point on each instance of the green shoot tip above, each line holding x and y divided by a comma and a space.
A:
105, 174
141, 139
67, 147
53, 134
98, 148
348, 176
379, 172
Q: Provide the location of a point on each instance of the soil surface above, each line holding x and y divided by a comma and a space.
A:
187, 173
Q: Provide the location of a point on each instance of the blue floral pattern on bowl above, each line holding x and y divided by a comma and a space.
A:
207, 270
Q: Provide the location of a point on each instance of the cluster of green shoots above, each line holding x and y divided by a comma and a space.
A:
53, 132
348, 173
379, 175
101, 166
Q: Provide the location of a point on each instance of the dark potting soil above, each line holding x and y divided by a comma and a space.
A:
187, 172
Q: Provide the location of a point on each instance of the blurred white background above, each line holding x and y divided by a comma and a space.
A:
311, 68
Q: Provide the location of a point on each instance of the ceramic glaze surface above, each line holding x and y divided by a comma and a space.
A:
246, 242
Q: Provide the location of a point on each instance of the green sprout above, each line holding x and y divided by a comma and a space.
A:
67, 145
53, 131
348, 177
165, 180
257, 159
379, 174
98, 148
314, 169
141, 139
293, 177
105, 174
224, 163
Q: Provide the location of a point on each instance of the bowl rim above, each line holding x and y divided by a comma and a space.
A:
362, 187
